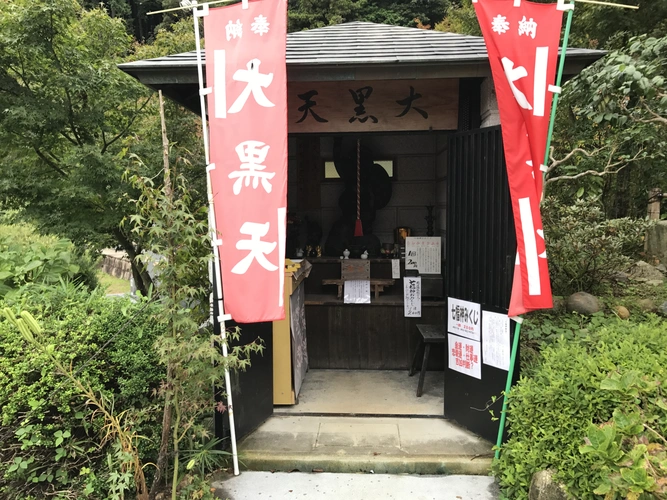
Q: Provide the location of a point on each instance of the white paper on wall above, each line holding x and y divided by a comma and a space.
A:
496, 340
395, 269
412, 297
357, 292
424, 254
464, 318
464, 356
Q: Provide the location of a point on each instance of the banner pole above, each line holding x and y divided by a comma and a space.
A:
508, 385
215, 242
559, 78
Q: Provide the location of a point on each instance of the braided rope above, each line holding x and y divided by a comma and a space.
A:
358, 179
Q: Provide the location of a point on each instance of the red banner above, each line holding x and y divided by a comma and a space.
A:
522, 41
246, 75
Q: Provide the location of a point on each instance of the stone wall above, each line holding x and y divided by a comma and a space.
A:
116, 264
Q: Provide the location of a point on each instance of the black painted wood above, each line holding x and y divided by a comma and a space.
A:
367, 337
252, 389
435, 334
480, 249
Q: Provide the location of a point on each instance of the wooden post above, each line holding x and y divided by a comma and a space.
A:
654, 204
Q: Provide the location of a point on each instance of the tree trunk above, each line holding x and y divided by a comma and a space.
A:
142, 279
163, 454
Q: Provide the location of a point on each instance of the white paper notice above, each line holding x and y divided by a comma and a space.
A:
423, 253
412, 297
395, 269
464, 318
496, 340
357, 292
464, 356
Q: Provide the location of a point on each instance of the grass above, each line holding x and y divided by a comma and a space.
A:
112, 284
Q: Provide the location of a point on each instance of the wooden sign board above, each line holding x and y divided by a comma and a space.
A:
355, 269
373, 106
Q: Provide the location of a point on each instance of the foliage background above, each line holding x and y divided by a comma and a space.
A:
45, 422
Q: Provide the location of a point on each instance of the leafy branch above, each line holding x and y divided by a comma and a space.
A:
611, 168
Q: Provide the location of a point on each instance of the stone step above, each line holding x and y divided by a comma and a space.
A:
383, 445
376, 464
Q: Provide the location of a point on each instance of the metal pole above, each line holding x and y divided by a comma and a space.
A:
517, 330
508, 385
559, 78
215, 243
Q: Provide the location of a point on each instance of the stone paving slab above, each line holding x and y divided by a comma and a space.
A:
364, 444
285, 486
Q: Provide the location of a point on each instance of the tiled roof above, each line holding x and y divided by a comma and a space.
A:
361, 43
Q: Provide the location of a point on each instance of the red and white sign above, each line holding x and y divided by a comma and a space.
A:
464, 356
246, 76
464, 318
522, 41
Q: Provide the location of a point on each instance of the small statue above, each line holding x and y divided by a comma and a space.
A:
364, 255
319, 251
308, 251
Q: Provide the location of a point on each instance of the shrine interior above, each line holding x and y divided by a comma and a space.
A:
402, 192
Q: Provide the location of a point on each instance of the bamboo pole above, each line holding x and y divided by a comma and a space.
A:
517, 330
609, 4
559, 79
187, 7
215, 265
508, 385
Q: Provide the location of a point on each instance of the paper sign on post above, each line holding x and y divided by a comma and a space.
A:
412, 297
357, 292
395, 269
464, 318
464, 356
496, 340
423, 253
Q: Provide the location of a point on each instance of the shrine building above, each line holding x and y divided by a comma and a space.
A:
415, 111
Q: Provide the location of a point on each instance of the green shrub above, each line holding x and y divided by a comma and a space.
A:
48, 436
27, 257
550, 411
585, 248
630, 450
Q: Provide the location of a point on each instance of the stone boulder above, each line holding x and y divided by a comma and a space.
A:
583, 303
622, 312
643, 271
543, 486
620, 277
662, 310
647, 305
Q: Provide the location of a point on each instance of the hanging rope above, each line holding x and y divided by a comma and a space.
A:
358, 230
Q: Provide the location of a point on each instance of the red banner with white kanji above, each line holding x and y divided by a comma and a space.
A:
246, 76
522, 41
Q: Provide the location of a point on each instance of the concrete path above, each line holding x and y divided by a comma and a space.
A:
285, 486
383, 445
368, 392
